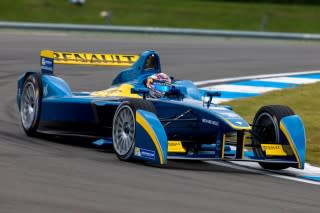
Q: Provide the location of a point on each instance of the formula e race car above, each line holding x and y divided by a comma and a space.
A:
183, 123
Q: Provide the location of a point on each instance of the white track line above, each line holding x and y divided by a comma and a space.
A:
260, 171
220, 100
224, 80
290, 80
241, 88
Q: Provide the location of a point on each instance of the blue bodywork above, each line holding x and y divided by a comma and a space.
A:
292, 130
153, 150
205, 130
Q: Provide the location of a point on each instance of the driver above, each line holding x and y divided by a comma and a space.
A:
158, 84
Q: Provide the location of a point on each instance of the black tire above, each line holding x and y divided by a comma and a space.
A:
142, 104
30, 104
265, 129
123, 128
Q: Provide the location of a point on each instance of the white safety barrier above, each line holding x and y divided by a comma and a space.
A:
158, 30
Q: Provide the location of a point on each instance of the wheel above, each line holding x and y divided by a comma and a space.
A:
30, 104
265, 130
124, 124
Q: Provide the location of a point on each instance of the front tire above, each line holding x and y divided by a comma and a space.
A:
266, 130
124, 125
30, 104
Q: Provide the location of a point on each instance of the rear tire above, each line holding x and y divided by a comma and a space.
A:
30, 104
124, 125
266, 130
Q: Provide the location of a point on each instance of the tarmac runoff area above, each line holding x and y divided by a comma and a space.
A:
38, 175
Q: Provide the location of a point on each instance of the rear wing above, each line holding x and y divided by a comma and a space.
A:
48, 58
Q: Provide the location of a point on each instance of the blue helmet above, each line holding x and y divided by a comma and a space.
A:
159, 84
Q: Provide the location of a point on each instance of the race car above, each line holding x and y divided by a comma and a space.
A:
147, 116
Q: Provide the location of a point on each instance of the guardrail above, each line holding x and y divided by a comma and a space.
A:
158, 30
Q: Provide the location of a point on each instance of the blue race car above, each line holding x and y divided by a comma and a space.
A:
146, 115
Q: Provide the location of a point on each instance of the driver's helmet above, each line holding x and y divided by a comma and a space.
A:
158, 84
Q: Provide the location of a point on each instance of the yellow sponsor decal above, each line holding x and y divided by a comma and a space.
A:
273, 149
97, 59
124, 90
176, 147
94, 59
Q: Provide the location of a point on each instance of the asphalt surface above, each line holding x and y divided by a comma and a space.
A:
39, 175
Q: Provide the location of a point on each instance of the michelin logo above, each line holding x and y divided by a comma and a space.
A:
144, 153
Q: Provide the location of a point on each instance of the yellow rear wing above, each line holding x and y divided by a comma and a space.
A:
49, 57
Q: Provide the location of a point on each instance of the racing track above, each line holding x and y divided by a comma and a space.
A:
37, 175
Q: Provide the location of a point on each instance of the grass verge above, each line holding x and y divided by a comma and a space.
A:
169, 13
304, 100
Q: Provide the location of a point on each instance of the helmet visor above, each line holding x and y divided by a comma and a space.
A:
162, 87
